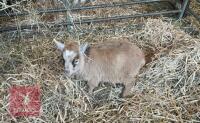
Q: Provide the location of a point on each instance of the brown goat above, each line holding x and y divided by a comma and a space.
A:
114, 61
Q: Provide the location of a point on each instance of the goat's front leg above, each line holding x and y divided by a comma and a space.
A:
92, 84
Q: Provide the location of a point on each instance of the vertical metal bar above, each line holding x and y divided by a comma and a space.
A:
183, 9
66, 3
69, 18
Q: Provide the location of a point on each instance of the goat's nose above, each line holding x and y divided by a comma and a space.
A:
67, 72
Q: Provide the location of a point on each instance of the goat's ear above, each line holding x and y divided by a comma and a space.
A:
59, 45
83, 48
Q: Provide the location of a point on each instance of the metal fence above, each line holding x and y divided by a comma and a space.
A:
179, 11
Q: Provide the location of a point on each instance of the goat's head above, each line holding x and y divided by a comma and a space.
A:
73, 55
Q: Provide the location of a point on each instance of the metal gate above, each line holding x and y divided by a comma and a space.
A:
179, 11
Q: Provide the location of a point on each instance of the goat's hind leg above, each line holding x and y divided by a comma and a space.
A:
127, 89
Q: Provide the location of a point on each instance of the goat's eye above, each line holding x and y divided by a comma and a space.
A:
75, 62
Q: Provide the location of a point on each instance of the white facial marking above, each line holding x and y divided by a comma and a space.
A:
69, 58
67, 54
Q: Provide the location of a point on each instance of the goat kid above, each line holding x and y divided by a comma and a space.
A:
114, 61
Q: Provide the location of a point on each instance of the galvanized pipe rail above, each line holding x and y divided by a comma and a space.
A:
57, 10
95, 20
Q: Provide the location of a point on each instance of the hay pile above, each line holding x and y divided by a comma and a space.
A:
167, 88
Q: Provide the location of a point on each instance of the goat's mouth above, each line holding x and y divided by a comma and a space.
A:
67, 73
70, 75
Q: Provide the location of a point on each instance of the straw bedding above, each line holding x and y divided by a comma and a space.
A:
167, 88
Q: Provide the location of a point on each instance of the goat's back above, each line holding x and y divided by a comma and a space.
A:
116, 60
